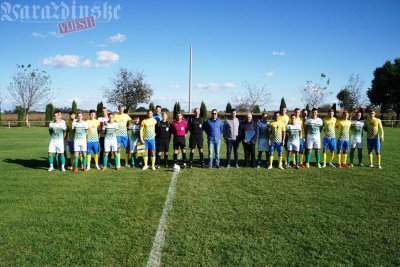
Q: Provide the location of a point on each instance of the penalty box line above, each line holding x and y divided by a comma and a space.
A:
156, 251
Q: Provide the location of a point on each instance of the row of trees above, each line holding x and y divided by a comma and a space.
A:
31, 87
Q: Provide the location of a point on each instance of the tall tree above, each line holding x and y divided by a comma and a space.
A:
253, 95
228, 108
346, 101
49, 113
21, 116
29, 88
314, 94
203, 110
99, 109
152, 107
74, 107
308, 109
256, 109
1, 101
355, 88
178, 107
128, 88
334, 108
385, 87
282, 105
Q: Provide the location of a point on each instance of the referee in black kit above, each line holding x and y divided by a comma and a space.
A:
195, 127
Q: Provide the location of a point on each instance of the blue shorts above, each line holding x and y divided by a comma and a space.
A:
93, 147
302, 143
343, 144
71, 147
150, 144
329, 143
373, 144
123, 141
275, 146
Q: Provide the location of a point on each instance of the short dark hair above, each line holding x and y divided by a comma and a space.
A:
277, 113
149, 110
314, 109
55, 112
296, 109
71, 112
331, 110
293, 115
92, 111
232, 110
158, 106
214, 110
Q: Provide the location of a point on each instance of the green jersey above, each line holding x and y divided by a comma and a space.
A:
79, 131
356, 130
313, 127
110, 131
57, 130
134, 131
293, 133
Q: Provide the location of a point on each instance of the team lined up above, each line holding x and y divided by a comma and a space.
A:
298, 135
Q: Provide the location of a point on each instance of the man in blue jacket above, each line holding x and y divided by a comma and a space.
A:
213, 128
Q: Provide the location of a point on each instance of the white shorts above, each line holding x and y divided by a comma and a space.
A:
356, 143
313, 142
110, 145
56, 146
80, 146
293, 146
263, 144
133, 145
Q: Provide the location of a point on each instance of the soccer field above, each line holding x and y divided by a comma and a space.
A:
225, 217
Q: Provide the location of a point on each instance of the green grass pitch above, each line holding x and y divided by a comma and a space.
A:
225, 217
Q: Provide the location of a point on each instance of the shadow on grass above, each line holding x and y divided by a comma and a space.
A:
41, 163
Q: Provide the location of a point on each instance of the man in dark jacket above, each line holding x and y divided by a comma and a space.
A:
195, 127
249, 134
213, 128
163, 136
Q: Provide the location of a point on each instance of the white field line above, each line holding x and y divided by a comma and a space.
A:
156, 251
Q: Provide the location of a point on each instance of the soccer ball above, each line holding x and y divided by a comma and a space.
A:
177, 168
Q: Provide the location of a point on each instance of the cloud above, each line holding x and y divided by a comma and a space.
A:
278, 53
293, 99
229, 85
60, 61
208, 86
174, 87
103, 59
269, 74
87, 63
42, 35
106, 58
118, 38
38, 35
102, 45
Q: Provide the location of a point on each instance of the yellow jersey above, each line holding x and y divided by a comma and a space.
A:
148, 128
122, 120
374, 128
276, 128
344, 129
94, 129
328, 129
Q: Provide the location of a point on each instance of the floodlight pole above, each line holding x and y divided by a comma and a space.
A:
190, 80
